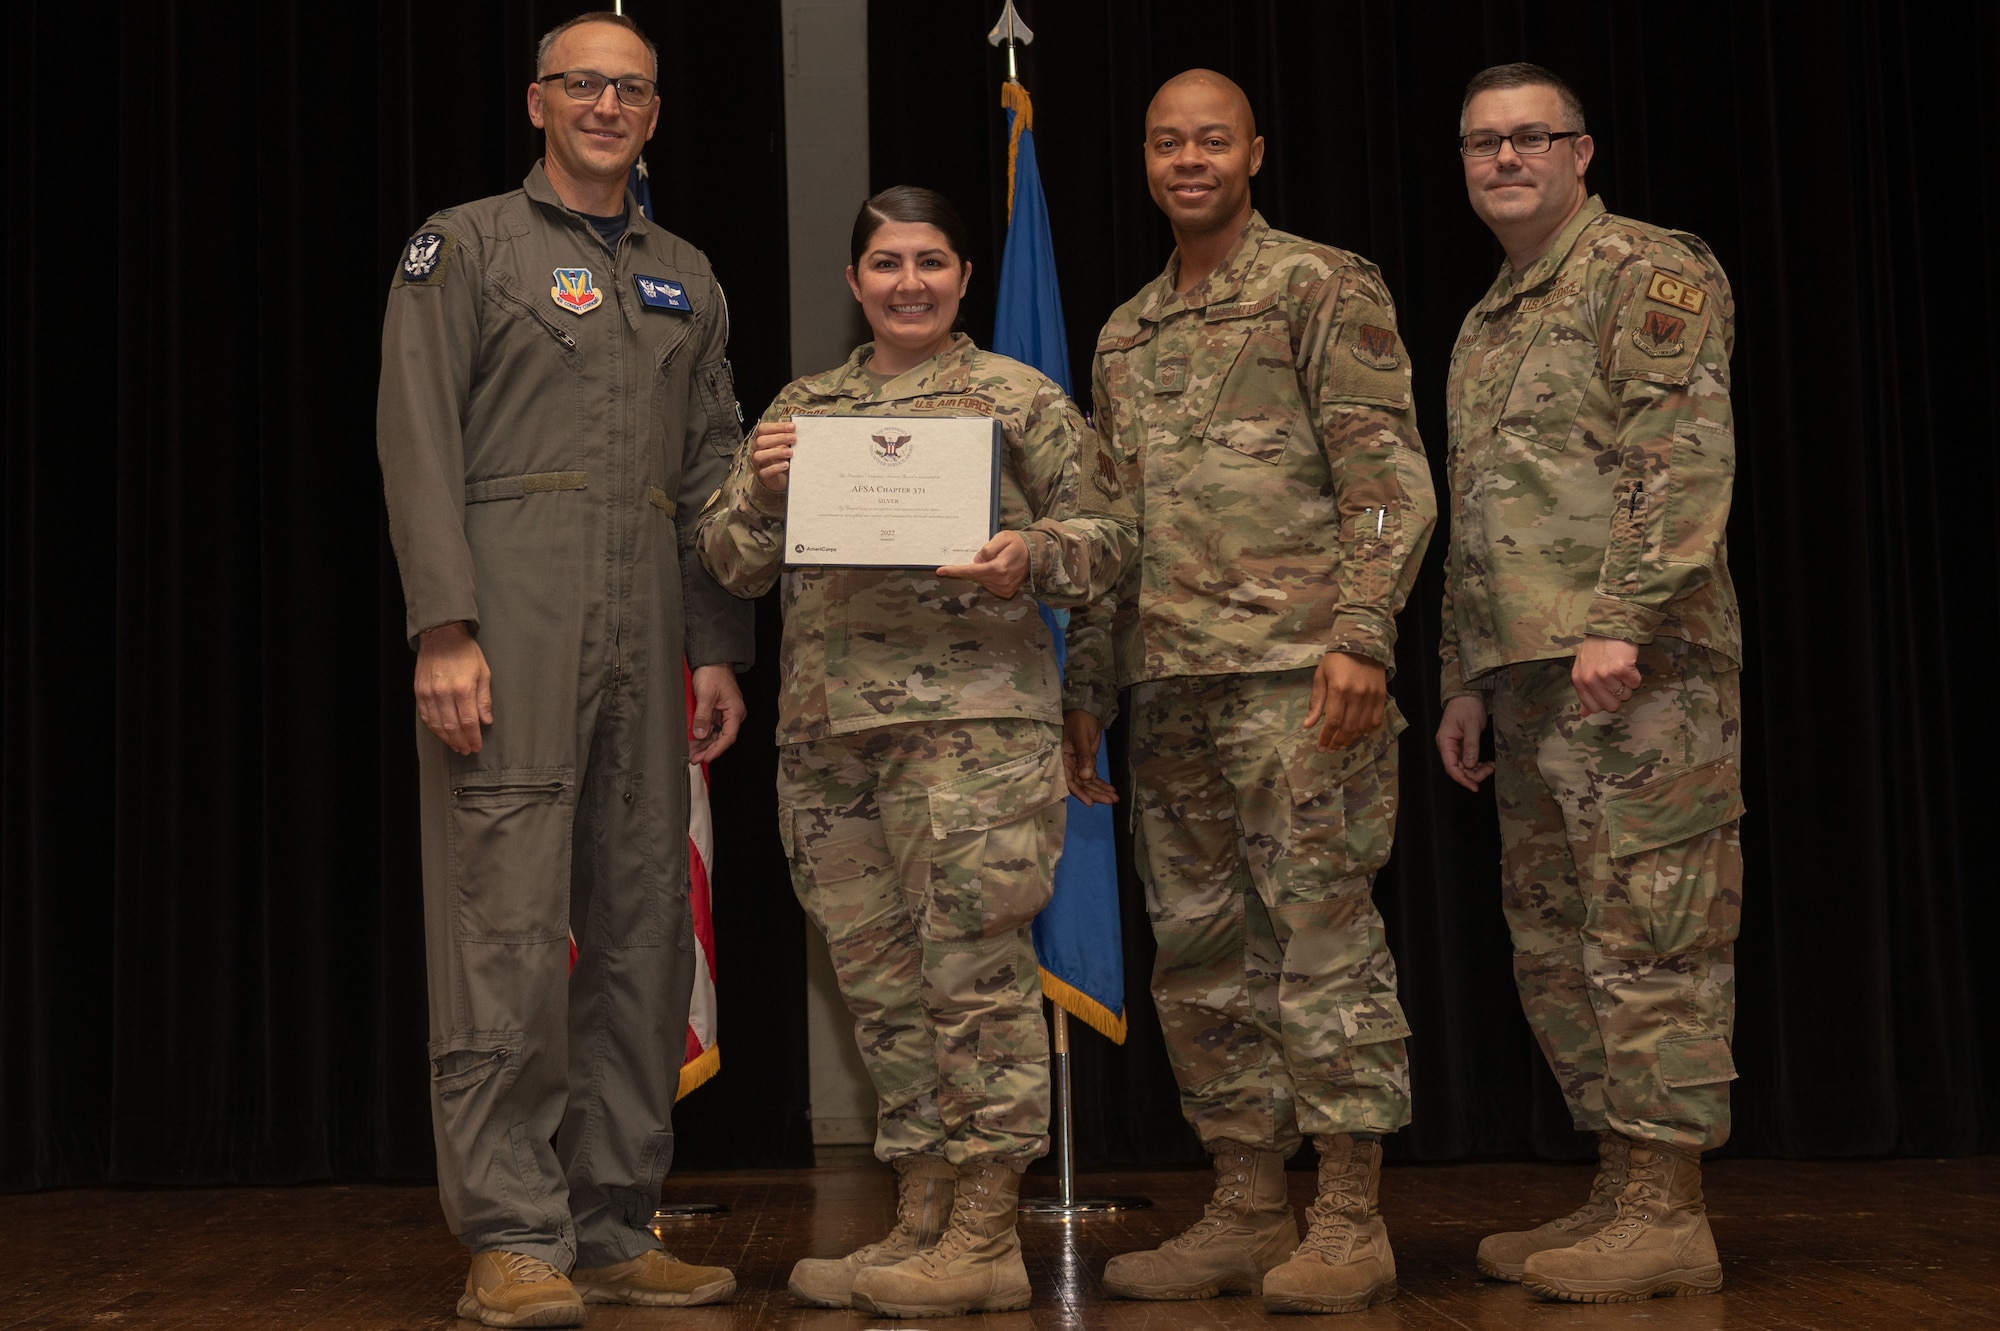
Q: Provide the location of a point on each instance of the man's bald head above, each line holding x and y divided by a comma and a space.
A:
1209, 79
1201, 150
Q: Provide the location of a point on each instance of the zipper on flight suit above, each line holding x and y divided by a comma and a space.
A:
555, 330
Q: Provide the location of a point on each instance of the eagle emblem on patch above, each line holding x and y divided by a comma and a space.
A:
892, 446
1375, 347
424, 259
1660, 334
574, 292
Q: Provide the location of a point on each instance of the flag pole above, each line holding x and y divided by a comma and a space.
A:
1010, 31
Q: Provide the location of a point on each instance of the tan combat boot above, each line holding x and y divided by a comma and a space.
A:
1345, 1263
1501, 1255
654, 1280
1246, 1229
924, 1188
1658, 1243
514, 1289
975, 1265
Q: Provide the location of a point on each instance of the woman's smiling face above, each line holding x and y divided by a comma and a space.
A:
909, 283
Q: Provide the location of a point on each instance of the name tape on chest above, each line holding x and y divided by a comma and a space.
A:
657, 293
1671, 290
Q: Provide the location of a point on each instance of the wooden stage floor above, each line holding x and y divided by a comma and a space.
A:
1900, 1245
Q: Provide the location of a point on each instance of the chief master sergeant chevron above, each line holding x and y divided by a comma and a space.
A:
1256, 398
1588, 607
555, 408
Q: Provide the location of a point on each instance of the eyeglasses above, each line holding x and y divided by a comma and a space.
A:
1527, 142
587, 85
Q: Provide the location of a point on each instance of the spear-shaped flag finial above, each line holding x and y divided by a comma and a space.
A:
1014, 32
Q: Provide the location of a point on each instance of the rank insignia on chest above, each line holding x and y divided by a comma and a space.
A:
574, 292
1105, 478
1375, 347
1170, 375
660, 294
1660, 334
1670, 290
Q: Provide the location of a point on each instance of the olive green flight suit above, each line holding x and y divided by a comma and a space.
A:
547, 438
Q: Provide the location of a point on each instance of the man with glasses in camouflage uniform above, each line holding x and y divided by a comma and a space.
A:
1589, 611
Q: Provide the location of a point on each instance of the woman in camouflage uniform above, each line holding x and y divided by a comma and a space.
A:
920, 781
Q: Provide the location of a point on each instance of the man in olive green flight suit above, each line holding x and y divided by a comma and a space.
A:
555, 407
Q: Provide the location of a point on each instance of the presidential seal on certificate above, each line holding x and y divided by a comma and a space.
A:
892, 491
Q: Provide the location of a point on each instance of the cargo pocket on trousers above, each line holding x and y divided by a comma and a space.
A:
1376, 1019
996, 835
1672, 809
823, 866
510, 854
1672, 890
1697, 1060
1340, 824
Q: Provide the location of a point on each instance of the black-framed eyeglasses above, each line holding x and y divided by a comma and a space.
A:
1527, 142
587, 85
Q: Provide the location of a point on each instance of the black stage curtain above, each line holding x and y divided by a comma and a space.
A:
1842, 165
211, 956
210, 941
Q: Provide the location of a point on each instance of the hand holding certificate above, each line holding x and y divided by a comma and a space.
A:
894, 492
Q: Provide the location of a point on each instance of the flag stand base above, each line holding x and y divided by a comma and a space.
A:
1066, 1202
688, 1211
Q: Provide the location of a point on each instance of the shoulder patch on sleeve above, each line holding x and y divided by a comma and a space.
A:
425, 260
1669, 289
1366, 363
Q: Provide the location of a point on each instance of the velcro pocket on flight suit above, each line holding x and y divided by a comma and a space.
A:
1696, 1060
510, 853
1549, 386
1246, 357
1673, 809
998, 795
718, 400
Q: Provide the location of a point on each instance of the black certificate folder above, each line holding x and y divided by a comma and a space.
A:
892, 491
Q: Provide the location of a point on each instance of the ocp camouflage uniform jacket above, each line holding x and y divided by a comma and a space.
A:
1592, 452
866, 647
1263, 429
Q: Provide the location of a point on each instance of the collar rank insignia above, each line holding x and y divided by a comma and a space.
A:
1375, 347
1660, 334
892, 446
574, 292
660, 294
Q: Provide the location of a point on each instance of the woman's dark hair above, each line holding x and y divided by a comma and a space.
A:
907, 203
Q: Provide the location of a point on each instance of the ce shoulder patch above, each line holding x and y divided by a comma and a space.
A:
1671, 290
425, 260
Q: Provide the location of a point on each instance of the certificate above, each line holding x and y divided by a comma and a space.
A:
892, 491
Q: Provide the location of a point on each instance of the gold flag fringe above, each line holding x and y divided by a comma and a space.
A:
1109, 1024
1014, 97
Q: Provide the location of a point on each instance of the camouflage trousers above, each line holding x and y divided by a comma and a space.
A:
1275, 987
923, 852
1622, 880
